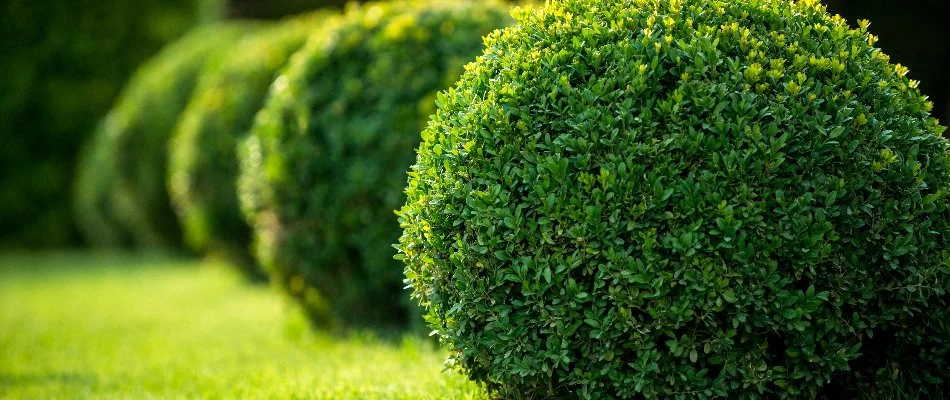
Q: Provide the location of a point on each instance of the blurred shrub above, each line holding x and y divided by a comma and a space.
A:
325, 165
120, 190
685, 199
62, 64
203, 165
272, 9
95, 178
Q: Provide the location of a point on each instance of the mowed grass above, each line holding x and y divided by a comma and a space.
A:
112, 326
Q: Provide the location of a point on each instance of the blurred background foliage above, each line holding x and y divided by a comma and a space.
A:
203, 161
64, 62
273, 9
62, 66
120, 191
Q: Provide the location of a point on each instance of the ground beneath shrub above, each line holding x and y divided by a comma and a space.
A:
120, 326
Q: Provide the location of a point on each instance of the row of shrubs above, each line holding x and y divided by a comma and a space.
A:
325, 110
64, 64
617, 199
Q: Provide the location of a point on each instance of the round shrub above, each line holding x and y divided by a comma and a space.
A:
121, 181
95, 177
685, 199
325, 165
203, 163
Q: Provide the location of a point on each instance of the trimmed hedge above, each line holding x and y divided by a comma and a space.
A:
325, 164
63, 64
685, 199
203, 162
120, 189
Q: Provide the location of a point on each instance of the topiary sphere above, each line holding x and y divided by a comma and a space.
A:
203, 160
685, 199
120, 189
325, 165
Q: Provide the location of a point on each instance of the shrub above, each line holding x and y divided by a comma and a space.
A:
203, 164
95, 178
120, 190
685, 199
63, 64
326, 161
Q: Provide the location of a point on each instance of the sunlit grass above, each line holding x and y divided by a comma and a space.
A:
117, 326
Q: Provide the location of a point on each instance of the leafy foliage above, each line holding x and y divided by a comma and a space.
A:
63, 64
203, 164
685, 199
120, 190
325, 164
915, 34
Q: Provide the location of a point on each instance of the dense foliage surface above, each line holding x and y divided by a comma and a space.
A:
685, 199
62, 65
120, 191
203, 163
326, 163
113, 326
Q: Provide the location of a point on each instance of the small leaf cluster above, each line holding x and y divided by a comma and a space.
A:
325, 164
121, 182
685, 199
203, 159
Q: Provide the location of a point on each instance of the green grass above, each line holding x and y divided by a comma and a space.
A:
118, 326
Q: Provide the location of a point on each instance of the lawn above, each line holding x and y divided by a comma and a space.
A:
76, 325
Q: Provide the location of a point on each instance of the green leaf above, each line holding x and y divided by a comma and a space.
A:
729, 296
